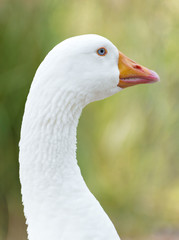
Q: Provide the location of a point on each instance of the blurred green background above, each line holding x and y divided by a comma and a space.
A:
128, 145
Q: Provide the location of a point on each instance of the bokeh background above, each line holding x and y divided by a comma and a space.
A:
128, 145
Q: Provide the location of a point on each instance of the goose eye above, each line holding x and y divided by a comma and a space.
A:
101, 51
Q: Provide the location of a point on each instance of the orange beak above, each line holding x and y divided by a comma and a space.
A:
132, 73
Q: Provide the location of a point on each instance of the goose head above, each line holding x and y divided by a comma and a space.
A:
92, 65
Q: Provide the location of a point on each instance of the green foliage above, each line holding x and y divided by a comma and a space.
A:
127, 144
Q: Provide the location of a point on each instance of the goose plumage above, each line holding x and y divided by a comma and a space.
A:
57, 203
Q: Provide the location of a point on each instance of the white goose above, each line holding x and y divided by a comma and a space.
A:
57, 203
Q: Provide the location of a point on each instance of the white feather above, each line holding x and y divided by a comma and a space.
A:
57, 203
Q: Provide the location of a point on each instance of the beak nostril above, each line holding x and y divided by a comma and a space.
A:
138, 67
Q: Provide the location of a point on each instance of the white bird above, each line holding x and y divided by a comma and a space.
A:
57, 203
